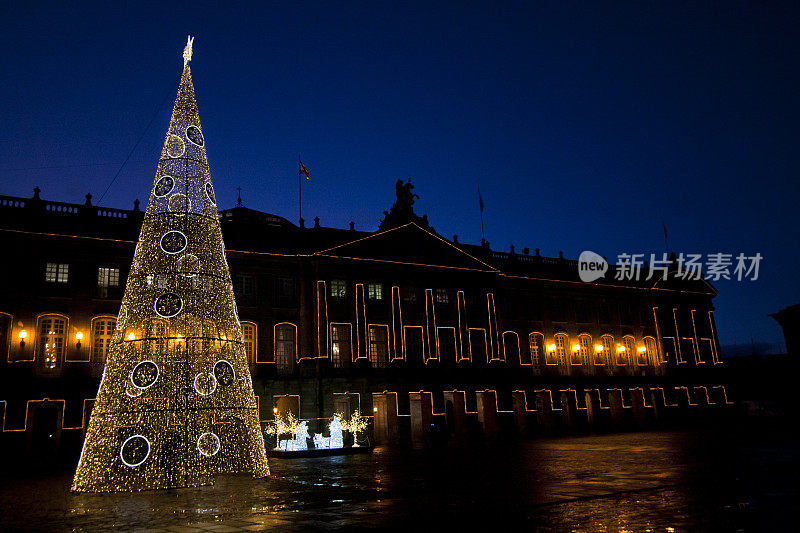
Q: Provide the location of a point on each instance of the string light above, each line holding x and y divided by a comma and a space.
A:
176, 406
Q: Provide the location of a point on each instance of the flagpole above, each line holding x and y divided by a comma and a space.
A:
300, 188
480, 205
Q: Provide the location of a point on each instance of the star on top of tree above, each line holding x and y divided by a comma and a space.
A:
187, 51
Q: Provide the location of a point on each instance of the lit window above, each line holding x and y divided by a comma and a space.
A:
378, 346
340, 344
585, 343
608, 350
561, 348
285, 347
56, 273
442, 296
51, 340
338, 288
536, 343
630, 349
102, 330
375, 291
249, 340
107, 277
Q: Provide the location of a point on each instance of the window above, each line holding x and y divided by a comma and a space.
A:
340, 345
56, 273
52, 334
285, 351
607, 342
378, 346
561, 348
442, 296
338, 288
652, 353
536, 344
249, 340
585, 342
511, 347
284, 289
244, 285
375, 291
106, 277
630, 349
409, 294
102, 330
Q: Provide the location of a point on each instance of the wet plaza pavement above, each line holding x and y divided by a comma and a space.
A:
654, 481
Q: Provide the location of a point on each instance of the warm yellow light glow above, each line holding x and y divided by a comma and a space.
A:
23, 334
642, 349
374, 409
576, 347
275, 410
551, 347
598, 347
148, 429
620, 348
79, 336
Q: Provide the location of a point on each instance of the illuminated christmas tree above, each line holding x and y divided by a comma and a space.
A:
176, 402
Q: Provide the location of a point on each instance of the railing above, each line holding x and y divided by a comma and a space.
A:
10, 201
111, 212
62, 208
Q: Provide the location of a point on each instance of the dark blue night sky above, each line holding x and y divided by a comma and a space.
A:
584, 123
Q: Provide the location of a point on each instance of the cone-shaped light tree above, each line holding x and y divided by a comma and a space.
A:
176, 402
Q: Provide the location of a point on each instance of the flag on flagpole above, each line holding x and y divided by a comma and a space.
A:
480, 199
304, 171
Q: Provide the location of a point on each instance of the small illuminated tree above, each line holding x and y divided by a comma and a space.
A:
282, 427
357, 424
176, 402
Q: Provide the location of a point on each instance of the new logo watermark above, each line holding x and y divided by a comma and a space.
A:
591, 266
716, 266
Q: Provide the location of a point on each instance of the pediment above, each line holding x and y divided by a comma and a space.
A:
408, 244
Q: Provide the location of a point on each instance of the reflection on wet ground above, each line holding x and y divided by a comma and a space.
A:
657, 481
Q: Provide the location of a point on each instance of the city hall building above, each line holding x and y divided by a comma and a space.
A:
340, 319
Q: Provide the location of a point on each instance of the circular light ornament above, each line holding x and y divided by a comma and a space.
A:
179, 204
194, 135
210, 193
173, 242
164, 186
168, 305
224, 373
175, 146
144, 374
134, 451
208, 444
205, 383
189, 265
